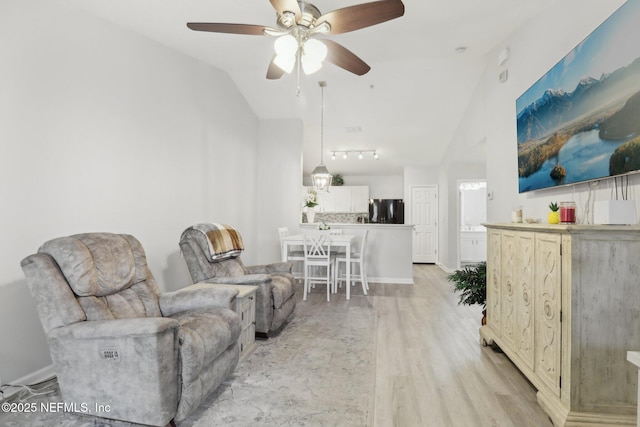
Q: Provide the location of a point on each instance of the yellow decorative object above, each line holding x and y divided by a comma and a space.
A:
554, 216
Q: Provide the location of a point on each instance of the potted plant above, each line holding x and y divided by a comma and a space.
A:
471, 282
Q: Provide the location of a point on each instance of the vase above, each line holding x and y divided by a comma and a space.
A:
311, 215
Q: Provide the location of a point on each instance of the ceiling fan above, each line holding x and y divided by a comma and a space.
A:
298, 24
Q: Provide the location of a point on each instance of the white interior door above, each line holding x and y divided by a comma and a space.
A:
424, 216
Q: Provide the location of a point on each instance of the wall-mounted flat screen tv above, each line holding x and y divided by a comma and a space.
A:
581, 121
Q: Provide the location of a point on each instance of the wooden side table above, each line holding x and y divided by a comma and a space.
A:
634, 357
246, 309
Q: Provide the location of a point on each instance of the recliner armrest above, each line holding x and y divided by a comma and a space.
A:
129, 365
246, 279
278, 267
110, 329
196, 296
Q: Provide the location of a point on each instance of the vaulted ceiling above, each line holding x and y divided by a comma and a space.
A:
407, 107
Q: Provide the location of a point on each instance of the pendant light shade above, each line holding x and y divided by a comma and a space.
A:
320, 176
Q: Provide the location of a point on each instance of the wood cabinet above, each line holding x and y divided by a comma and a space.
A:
245, 307
563, 303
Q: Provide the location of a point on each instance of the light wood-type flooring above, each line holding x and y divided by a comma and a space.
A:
431, 370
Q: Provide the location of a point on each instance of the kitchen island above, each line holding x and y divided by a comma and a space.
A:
388, 256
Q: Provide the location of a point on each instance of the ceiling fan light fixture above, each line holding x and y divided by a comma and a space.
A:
286, 63
273, 32
286, 48
313, 53
310, 67
323, 28
297, 21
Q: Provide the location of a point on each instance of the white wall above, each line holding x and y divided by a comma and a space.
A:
449, 241
487, 131
465, 159
279, 177
103, 130
534, 50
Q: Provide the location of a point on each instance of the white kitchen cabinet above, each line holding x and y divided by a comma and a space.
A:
563, 304
343, 199
326, 201
473, 246
360, 198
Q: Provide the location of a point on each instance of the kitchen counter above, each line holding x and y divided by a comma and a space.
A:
389, 253
343, 225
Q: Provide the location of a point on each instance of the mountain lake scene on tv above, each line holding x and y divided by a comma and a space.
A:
590, 131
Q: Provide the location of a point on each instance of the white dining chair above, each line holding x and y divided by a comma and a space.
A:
318, 263
295, 255
358, 271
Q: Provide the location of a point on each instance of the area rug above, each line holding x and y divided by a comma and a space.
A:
319, 370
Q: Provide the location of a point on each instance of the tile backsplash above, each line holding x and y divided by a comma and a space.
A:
340, 217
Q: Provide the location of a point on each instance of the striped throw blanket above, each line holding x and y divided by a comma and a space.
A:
224, 240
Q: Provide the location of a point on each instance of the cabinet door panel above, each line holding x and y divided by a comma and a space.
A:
326, 201
509, 282
547, 312
493, 282
525, 299
343, 199
360, 199
466, 249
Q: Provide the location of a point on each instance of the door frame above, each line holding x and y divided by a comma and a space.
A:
459, 216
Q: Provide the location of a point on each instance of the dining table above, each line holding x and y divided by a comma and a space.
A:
338, 240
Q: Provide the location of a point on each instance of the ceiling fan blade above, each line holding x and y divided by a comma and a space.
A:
362, 15
274, 72
252, 30
282, 6
344, 58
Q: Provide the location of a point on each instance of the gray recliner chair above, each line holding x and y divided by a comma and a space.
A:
116, 340
212, 254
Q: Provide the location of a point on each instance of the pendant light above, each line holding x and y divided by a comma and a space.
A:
320, 176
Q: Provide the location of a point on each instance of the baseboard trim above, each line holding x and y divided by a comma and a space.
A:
445, 268
32, 378
391, 280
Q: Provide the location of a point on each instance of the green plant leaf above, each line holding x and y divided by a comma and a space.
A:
471, 282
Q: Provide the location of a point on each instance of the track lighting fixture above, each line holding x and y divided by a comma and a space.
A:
345, 153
